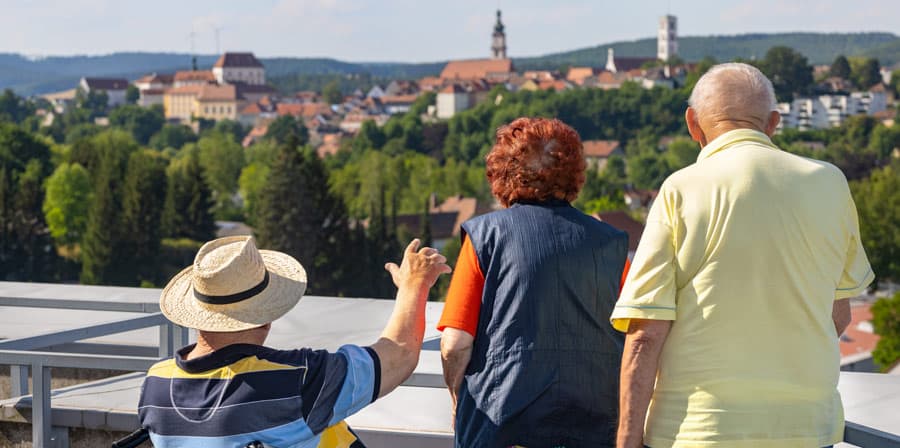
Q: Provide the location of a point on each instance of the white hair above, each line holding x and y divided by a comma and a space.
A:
734, 89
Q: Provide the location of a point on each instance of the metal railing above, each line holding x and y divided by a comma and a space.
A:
22, 356
19, 353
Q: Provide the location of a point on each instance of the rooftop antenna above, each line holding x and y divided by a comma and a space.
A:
193, 36
217, 29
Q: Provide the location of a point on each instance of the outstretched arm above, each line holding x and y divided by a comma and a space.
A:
400, 342
640, 361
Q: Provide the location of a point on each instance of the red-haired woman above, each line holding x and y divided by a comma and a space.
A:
529, 355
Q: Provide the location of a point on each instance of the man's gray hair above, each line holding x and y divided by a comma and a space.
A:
734, 87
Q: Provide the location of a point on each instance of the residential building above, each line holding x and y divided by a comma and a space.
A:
825, 111
155, 81
401, 87
239, 68
451, 100
375, 92
113, 87
667, 38
61, 101
397, 104
179, 103
578, 75
497, 70
616, 64
498, 40
598, 152
217, 102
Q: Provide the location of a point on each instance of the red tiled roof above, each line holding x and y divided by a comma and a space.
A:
305, 110
237, 60
625, 223
398, 99
251, 109
579, 74
153, 91
192, 75
859, 338
156, 78
600, 148
453, 88
476, 68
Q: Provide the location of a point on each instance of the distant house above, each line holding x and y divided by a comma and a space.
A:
452, 100
253, 92
217, 102
113, 87
180, 103
153, 87
618, 64
61, 101
331, 144
397, 104
445, 219
578, 75
598, 152
495, 70
244, 68
636, 199
401, 87
624, 222
256, 134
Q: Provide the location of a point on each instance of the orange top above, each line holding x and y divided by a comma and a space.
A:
466, 287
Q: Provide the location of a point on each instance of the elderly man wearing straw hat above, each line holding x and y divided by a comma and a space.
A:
228, 390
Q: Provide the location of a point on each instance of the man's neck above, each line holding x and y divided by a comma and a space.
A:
719, 128
210, 342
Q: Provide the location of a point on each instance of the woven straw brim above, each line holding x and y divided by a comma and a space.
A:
287, 283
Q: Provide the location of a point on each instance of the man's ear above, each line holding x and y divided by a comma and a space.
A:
772, 123
693, 125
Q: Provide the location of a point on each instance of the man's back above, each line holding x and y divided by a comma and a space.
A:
759, 244
244, 392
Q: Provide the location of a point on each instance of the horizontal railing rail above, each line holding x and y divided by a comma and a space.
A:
77, 304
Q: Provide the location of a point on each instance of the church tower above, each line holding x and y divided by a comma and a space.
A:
667, 38
498, 42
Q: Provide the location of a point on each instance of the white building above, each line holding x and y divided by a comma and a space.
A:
452, 100
239, 68
667, 38
114, 87
827, 111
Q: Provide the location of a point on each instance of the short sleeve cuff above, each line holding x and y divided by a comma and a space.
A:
853, 291
622, 314
377, 368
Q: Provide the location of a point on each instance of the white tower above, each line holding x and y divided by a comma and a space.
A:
667, 38
498, 41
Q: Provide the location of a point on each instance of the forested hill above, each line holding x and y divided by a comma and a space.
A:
41, 75
819, 48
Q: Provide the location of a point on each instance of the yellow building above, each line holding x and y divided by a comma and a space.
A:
217, 102
207, 101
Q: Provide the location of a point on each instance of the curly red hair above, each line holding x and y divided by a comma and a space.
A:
536, 159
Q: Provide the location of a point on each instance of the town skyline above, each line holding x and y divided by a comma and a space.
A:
346, 29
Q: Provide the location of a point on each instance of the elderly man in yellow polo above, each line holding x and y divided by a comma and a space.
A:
739, 288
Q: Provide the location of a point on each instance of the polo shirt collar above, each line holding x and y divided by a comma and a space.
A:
733, 137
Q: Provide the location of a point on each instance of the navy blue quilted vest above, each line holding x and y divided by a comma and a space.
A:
545, 363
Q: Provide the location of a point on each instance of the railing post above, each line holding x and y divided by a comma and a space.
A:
18, 378
40, 406
180, 337
165, 340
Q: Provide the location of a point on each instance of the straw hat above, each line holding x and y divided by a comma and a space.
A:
233, 286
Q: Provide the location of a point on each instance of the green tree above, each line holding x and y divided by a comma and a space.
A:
222, 159
187, 212
840, 67
141, 122
331, 93
285, 126
253, 178
788, 70
143, 200
132, 94
172, 136
866, 72
235, 130
94, 103
298, 215
895, 82
681, 153
878, 204
100, 245
68, 197
14, 108
886, 323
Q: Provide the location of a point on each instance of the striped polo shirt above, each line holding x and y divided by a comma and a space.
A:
244, 393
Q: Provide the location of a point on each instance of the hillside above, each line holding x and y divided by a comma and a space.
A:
32, 76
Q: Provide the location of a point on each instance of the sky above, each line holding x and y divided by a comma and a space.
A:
402, 30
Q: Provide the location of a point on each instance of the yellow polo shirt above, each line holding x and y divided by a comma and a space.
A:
745, 251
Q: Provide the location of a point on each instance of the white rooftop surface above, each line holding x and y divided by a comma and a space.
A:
317, 322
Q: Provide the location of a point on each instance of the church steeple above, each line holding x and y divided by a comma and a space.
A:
498, 41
